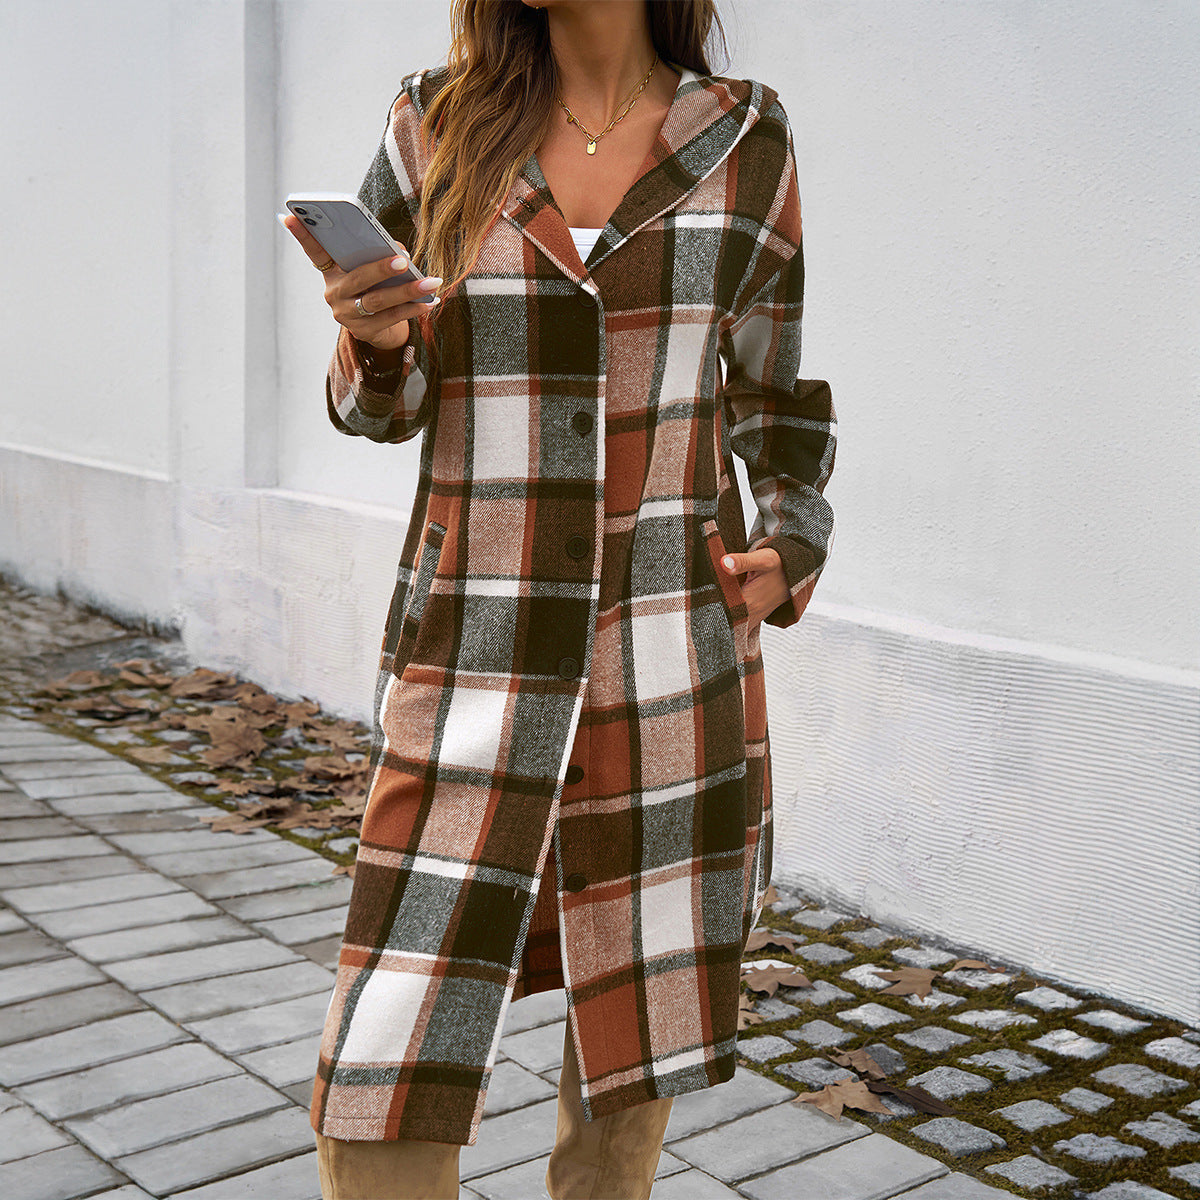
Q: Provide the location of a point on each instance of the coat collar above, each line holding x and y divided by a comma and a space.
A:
708, 116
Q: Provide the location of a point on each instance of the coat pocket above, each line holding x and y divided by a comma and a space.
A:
418, 595
731, 593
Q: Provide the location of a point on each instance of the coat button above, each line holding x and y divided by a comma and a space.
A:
582, 422
586, 298
574, 773
576, 882
577, 546
568, 668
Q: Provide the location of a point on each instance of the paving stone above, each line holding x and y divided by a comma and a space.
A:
823, 954
1070, 1044
509, 1138
936, 998
137, 916
765, 1140
746, 1092
774, 1009
14, 827
873, 1166
957, 1187
865, 975
511, 1087
1085, 1100
1048, 999
144, 801
201, 962
218, 1152
85, 1046
43, 978
763, 1049
820, 1033
264, 1025
59, 1174
330, 892
36, 874
933, 1039
16, 805
10, 922
1030, 1172
977, 978
1033, 1114
1012, 1063
306, 927
895, 1108
124, 944
537, 1050
183, 863
1139, 1080
130, 1191
1188, 1173
1191, 1110
542, 1008
142, 1075
297, 1178
199, 837
56, 787
890, 1060
50, 752
873, 1016
68, 769
869, 938
1114, 1022
1175, 1050
1162, 1129
24, 1132
819, 918
27, 945
923, 956
56, 848
958, 1137
947, 1083
49, 1014
817, 996
145, 1123
289, 1062
220, 885
1091, 1147
225, 993
1129, 1190
691, 1185
992, 1018
89, 893
816, 1072
146, 821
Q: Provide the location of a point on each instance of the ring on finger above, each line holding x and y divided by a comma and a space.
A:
323, 267
362, 312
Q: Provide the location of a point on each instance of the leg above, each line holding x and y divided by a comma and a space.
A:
611, 1158
406, 1169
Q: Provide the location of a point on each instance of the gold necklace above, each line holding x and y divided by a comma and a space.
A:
593, 138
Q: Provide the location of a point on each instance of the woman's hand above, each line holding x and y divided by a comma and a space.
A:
390, 308
765, 587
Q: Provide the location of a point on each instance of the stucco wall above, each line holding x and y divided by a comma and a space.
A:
989, 714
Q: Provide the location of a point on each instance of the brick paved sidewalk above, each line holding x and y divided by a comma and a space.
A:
163, 989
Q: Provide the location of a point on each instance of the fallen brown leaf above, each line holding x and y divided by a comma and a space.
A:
771, 896
974, 964
833, 1097
769, 979
343, 869
772, 937
151, 754
859, 1061
909, 981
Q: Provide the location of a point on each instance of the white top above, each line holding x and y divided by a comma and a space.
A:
585, 239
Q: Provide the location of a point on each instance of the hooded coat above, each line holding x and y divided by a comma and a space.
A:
569, 779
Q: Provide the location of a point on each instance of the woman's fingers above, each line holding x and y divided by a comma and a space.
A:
765, 559
765, 586
317, 253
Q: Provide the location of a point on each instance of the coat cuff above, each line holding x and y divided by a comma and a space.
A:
799, 569
377, 387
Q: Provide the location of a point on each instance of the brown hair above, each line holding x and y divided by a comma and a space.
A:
485, 122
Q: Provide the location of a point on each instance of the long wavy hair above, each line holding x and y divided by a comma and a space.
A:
495, 109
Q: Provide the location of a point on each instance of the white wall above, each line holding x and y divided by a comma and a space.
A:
989, 714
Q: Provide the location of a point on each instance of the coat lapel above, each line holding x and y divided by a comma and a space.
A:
707, 118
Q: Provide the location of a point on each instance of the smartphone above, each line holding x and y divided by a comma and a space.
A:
349, 233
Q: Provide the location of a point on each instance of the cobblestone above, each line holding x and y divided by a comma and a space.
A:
1091, 1147
948, 1082
820, 918
870, 939
1139, 1080
1163, 1130
922, 956
873, 1016
973, 977
992, 1018
820, 1033
866, 975
1130, 1190
1085, 1100
1176, 1051
820, 952
820, 994
816, 1072
1048, 999
1070, 1044
959, 1137
933, 1039
1187, 1173
1030, 1172
1011, 1063
935, 998
1114, 1022
763, 1049
1034, 1114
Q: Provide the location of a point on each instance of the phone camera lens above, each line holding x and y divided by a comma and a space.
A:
309, 221
300, 212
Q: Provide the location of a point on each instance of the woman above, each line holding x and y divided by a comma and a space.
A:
570, 781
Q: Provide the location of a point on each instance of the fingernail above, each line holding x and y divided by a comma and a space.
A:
430, 283
727, 561
399, 264
281, 218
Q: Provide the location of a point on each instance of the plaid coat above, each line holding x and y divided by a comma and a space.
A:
570, 780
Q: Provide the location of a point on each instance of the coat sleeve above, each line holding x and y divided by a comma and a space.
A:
386, 405
784, 428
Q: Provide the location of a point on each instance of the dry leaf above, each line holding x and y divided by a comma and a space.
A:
909, 981
769, 979
151, 754
771, 896
329, 766
851, 1093
859, 1061
343, 869
82, 681
298, 712
231, 822
974, 964
201, 683
772, 937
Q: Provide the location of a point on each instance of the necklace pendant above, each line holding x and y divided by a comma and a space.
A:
591, 147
